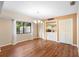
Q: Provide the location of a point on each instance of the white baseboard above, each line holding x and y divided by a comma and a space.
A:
20, 41
58, 41
71, 44
5, 45
74, 45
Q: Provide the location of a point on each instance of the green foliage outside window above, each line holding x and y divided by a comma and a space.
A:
21, 27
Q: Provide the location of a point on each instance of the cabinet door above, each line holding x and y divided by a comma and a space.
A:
52, 36
65, 31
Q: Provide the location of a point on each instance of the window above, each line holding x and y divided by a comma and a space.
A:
23, 27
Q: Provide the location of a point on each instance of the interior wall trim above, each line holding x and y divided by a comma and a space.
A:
6, 45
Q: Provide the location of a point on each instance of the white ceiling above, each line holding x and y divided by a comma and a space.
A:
40, 9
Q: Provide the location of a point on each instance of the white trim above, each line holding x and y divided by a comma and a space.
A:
66, 43
6, 44
78, 51
20, 41
74, 45
14, 32
0, 49
58, 41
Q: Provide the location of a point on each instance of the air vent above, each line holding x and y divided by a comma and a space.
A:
51, 19
72, 3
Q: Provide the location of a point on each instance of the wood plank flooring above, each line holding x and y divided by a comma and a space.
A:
40, 48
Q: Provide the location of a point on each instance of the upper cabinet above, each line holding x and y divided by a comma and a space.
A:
51, 26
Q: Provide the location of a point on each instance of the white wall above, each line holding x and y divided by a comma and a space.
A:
28, 36
16, 37
41, 30
78, 26
5, 32
1, 4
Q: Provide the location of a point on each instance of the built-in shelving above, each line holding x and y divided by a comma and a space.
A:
51, 26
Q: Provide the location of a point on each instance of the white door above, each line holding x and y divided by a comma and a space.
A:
69, 31
62, 31
66, 31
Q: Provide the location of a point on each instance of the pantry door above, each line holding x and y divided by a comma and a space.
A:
66, 31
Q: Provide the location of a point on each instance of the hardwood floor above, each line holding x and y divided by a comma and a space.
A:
42, 48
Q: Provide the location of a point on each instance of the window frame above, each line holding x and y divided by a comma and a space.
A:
23, 27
